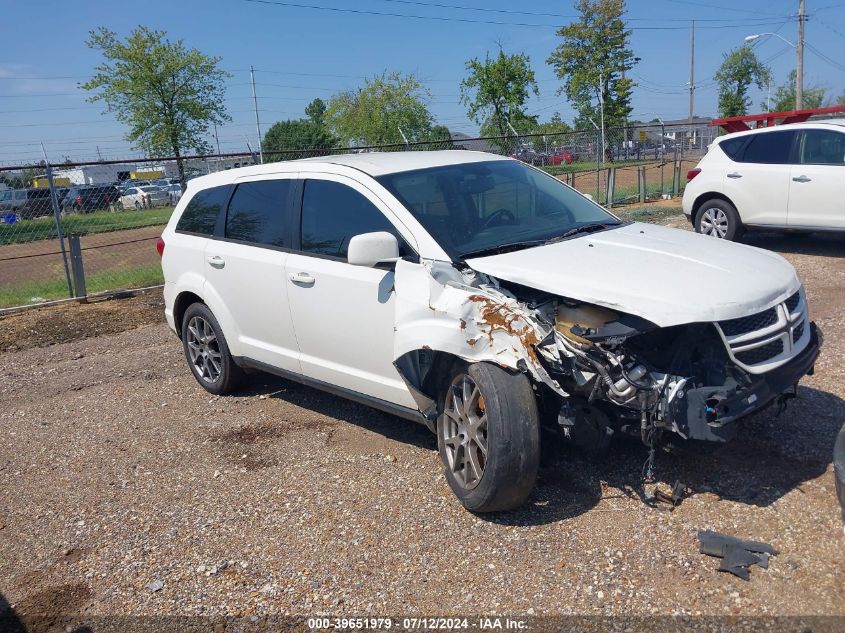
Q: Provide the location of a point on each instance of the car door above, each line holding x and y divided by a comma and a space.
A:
344, 315
817, 191
245, 271
758, 180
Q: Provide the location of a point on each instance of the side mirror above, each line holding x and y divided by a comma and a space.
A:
369, 249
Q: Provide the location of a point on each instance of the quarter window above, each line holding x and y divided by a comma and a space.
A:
733, 146
333, 213
822, 147
200, 216
257, 212
770, 148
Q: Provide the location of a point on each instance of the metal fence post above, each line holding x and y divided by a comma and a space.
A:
78, 269
57, 216
641, 183
598, 166
676, 178
611, 186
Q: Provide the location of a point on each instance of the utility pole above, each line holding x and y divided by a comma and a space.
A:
257, 123
799, 71
692, 73
216, 138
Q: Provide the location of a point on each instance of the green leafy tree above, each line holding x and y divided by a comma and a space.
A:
374, 113
740, 69
316, 112
592, 61
784, 97
555, 125
841, 99
167, 94
294, 134
495, 92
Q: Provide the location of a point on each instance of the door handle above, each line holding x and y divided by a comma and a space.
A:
301, 279
734, 174
802, 179
215, 261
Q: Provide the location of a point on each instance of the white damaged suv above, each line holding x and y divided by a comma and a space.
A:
484, 298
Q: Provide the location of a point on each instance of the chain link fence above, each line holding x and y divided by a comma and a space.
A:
80, 229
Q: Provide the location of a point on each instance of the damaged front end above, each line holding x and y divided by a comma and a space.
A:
597, 371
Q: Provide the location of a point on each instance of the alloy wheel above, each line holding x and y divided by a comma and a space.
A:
463, 431
204, 349
714, 222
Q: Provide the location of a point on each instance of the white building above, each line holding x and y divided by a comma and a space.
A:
96, 174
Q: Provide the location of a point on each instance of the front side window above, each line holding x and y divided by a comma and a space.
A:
471, 208
334, 213
822, 147
257, 213
200, 216
769, 148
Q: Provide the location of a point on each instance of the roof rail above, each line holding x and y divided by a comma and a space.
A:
767, 119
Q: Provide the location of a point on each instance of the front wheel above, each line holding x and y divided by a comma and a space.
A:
488, 435
207, 352
719, 218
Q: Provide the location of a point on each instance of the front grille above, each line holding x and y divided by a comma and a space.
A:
798, 332
792, 302
750, 323
760, 354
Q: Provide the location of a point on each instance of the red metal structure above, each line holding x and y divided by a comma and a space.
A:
766, 119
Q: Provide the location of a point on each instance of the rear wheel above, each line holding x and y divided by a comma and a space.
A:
488, 435
719, 218
207, 352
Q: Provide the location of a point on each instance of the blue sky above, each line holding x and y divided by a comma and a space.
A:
301, 53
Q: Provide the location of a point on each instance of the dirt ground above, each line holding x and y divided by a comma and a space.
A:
127, 489
41, 260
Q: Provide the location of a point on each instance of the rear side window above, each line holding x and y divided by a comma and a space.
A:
733, 147
257, 213
333, 213
200, 216
822, 147
769, 148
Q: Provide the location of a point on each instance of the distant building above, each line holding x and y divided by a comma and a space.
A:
96, 174
464, 141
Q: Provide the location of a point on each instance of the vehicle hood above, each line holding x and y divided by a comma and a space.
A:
668, 276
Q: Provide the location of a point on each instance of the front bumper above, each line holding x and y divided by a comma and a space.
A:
706, 413
839, 469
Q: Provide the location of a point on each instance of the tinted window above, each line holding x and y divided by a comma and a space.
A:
770, 148
733, 146
200, 216
257, 212
822, 147
333, 213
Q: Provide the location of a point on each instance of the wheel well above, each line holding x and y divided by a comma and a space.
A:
183, 301
706, 197
427, 370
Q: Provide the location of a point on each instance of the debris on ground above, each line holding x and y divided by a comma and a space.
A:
737, 555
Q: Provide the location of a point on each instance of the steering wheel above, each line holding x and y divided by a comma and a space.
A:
499, 217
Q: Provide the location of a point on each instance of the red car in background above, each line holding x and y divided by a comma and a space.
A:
561, 157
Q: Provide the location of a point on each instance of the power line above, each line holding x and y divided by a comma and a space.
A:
295, 5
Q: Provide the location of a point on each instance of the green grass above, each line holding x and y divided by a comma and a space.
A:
37, 291
44, 228
652, 214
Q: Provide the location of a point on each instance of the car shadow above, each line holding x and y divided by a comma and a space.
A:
771, 455
341, 409
823, 244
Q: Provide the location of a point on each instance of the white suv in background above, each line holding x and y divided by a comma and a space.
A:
789, 177
484, 298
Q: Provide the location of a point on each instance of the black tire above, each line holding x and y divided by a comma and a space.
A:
218, 378
719, 218
511, 436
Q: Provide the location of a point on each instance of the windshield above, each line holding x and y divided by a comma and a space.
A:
471, 208
148, 189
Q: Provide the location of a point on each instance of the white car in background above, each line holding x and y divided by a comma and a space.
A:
144, 197
174, 193
789, 177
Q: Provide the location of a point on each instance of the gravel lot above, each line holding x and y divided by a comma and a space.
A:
120, 475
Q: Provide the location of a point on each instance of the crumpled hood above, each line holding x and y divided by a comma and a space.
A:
668, 276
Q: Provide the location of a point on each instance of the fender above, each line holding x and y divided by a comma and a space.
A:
224, 317
439, 310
